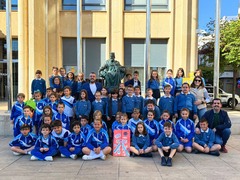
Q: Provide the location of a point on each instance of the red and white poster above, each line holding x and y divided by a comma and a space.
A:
121, 143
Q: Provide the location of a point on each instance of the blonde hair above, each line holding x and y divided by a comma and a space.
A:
97, 112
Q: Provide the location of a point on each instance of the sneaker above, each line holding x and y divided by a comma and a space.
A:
169, 162
146, 155
62, 155
196, 151
29, 152
87, 157
214, 153
103, 157
73, 156
16, 153
133, 154
163, 161
48, 158
33, 158
224, 149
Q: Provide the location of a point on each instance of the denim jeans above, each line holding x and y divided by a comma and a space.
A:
222, 136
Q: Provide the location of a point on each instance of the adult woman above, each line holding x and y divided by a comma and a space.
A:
201, 95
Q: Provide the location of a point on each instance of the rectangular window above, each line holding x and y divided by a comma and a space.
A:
14, 5
69, 5
89, 5
140, 5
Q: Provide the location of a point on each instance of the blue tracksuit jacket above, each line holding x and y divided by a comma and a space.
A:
185, 129
161, 123
64, 118
141, 141
164, 140
166, 103
128, 104
82, 107
17, 110
24, 142
172, 83
152, 128
97, 139
185, 101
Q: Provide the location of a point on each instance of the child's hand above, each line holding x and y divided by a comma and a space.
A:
45, 149
195, 116
176, 115
153, 141
197, 130
97, 150
198, 102
71, 149
165, 148
141, 151
206, 149
108, 118
41, 149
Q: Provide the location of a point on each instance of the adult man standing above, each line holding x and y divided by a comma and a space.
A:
219, 122
92, 86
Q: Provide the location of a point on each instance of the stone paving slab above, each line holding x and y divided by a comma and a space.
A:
185, 166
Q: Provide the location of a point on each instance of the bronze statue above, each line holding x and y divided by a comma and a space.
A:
112, 72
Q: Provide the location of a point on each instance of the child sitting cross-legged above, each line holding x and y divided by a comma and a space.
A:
75, 143
46, 145
97, 142
24, 142
204, 142
123, 123
141, 141
167, 144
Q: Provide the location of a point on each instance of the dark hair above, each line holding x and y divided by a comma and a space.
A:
150, 101
57, 77
167, 85
48, 107
130, 86
217, 99
57, 123
53, 94
197, 77
76, 123
152, 111
70, 73
203, 120
114, 91
67, 87
60, 103
50, 88
184, 109
27, 107
25, 126
86, 94
144, 129
136, 72
151, 78
54, 68
180, 69
84, 117
124, 115
104, 87
46, 126
167, 124
137, 87
166, 111
136, 110
170, 70
200, 72
21, 94
185, 83
38, 72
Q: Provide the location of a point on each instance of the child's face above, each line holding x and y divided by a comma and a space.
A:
56, 81
180, 73
47, 111
27, 112
114, 96
185, 88
45, 131
76, 129
140, 128
136, 115
197, 73
137, 91
62, 72
60, 108
184, 115
118, 118
169, 74
104, 92
53, 98
84, 122
167, 90
98, 96
98, 116
120, 92
55, 71
149, 93
49, 92
57, 129
83, 95
20, 99
204, 126
25, 131
121, 85
154, 74
67, 92
130, 91
123, 120
70, 75
97, 125
47, 120
80, 76
38, 75
150, 116
135, 76
167, 130
150, 106
37, 96
165, 116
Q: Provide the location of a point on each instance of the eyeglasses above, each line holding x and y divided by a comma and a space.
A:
197, 80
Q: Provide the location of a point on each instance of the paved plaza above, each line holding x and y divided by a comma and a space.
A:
185, 166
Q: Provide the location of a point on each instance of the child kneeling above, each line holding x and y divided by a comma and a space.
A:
141, 141
204, 142
97, 142
167, 144
46, 145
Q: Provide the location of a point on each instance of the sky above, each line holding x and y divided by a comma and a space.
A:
207, 10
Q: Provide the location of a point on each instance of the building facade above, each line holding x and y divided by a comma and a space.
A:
45, 34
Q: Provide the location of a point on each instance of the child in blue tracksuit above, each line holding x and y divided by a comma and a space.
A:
104, 94
165, 118
97, 143
117, 121
167, 144
151, 106
132, 123
154, 84
38, 84
139, 98
170, 81
179, 80
47, 98
99, 104
98, 115
152, 127
53, 103
204, 140
17, 109
46, 145
185, 131
69, 81
83, 105
129, 102
60, 134
62, 116
141, 141
166, 102
123, 125
75, 143
24, 142
39, 109
185, 100
23, 119
85, 127
149, 96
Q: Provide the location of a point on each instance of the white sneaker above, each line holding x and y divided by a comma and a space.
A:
16, 153
48, 158
73, 156
87, 157
103, 157
33, 158
29, 152
62, 155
